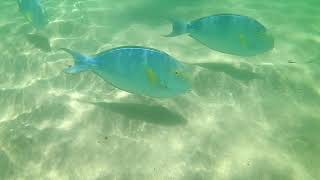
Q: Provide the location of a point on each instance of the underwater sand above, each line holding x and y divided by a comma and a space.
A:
244, 120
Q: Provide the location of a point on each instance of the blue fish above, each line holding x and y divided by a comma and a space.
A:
34, 12
227, 33
139, 70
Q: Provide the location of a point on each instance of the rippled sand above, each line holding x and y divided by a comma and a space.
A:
246, 118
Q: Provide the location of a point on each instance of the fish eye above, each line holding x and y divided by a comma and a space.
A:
177, 73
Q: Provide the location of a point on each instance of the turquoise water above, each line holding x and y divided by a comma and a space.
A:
246, 118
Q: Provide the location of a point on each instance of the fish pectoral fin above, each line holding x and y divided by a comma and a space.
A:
243, 40
153, 77
76, 69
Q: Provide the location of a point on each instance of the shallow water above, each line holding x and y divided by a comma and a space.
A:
246, 118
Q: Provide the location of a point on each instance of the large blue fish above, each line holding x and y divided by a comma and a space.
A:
227, 33
34, 12
137, 70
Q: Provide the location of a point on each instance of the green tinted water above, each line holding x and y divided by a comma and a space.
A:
244, 119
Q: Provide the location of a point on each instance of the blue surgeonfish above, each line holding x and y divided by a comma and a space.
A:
34, 11
227, 33
139, 70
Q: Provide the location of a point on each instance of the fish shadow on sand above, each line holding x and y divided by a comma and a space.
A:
154, 114
39, 41
243, 73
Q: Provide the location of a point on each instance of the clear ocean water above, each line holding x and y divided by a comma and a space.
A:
251, 118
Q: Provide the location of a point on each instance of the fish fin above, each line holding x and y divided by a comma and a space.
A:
19, 5
243, 40
78, 58
76, 69
41, 18
179, 27
29, 16
82, 62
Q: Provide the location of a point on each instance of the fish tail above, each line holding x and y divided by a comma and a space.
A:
19, 5
82, 62
179, 27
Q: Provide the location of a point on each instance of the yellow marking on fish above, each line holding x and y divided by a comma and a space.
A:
243, 40
153, 76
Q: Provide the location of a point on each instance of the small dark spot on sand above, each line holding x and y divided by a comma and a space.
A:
106, 138
290, 61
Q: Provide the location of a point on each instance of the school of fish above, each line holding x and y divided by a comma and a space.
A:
150, 72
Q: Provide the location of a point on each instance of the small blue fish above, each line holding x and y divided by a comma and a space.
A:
34, 12
227, 33
137, 70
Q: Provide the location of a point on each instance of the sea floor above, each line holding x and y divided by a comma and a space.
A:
245, 119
